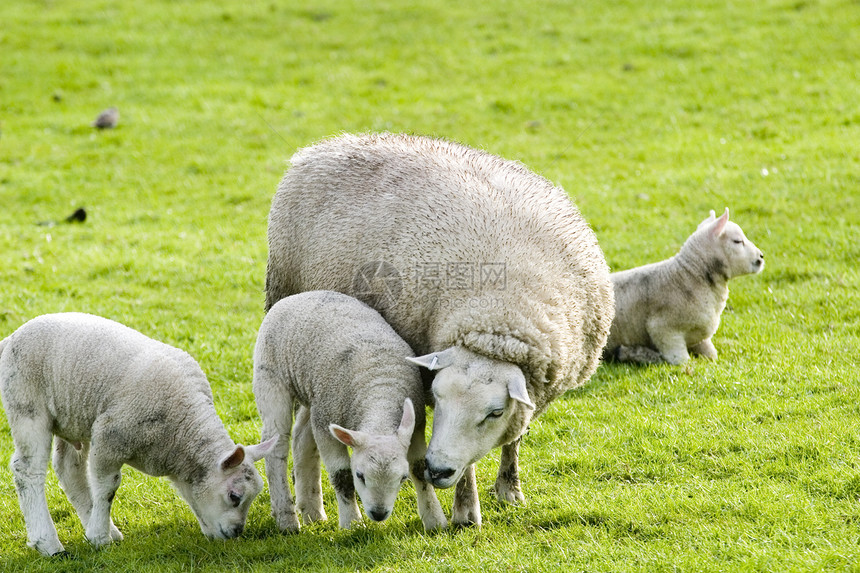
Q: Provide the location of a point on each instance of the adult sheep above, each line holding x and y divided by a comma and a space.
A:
482, 266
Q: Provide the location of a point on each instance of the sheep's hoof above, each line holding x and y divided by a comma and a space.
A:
507, 492
48, 548
98, 541
287, 523
312, 516
466, 522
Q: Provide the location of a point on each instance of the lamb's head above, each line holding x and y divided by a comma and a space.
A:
220, 497
480, 403
379, 464
725, 246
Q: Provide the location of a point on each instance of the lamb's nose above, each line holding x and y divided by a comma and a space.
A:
378, 514
439, 474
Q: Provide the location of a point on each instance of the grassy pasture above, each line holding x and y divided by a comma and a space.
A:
648, 113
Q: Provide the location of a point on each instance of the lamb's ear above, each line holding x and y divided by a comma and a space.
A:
517, 390
351, 438
261, 450
720, 224
710, 219
233, 459
435, 360
407, 423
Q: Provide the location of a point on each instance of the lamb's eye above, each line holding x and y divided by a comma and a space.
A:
403, 479
360, 476
739, 241
495, 414
235, 499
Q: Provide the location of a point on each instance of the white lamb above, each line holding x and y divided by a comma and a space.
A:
344, 365
112, 396
478, 263
665, 311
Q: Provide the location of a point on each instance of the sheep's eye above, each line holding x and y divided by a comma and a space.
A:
739, 241
360, 476
235, 499
403, 479
495, 414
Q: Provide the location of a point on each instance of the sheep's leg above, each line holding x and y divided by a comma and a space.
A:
336, 459
29, 465
508, 479
306, 469
638, 355
669, 342
705, 348
283, 508
71, 467
429, 508
104, 478
467, 507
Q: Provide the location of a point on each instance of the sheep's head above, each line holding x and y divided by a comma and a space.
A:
220, 499
379, 464
480, 404
732, 251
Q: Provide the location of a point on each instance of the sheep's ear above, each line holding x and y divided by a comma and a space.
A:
261, 450
350, 438
517, 390
407, 423
233, 459
720, 224
708, 220
435, 360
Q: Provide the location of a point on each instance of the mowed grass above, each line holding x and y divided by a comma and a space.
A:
648, 114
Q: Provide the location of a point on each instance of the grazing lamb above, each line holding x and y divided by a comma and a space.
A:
465, 254
666, 310
344, 365
112, 396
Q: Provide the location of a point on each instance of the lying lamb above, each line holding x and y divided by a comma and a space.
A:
112, 396
462, 251
666, 310
346, 367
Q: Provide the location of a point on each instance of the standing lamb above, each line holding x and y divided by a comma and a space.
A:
112, 396
475, 261
344, 365
666, 310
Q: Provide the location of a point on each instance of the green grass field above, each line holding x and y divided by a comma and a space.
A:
648, 113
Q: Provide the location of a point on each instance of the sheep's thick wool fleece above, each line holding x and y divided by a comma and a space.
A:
80, 367
470, 249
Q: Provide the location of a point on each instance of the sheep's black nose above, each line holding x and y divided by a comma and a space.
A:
437, 474
378, 514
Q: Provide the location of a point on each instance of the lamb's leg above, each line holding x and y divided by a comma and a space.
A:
336, 459
283, 508
306, 469
104, 473
70, 464
429, 508
705, 348
508, 480
638, 355
467, 507
32, 438
669, 342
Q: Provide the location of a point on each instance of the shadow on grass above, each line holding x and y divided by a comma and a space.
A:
179, 546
